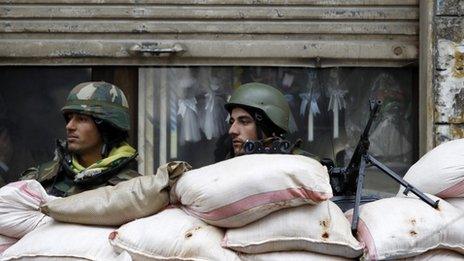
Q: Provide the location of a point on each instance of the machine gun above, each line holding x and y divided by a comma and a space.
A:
349, 181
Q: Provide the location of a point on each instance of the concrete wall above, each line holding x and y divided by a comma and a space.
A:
448, 73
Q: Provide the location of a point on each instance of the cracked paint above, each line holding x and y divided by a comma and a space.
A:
449, 104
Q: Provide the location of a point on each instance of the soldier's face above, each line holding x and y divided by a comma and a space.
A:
242, 128
82, 134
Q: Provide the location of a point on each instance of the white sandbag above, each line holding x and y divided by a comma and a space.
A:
119, 204
399, 227
440, 172
238, 191
457, 202
6, 242
171, 235
322, 228
291, 256
19, 207
61, 241
437, 255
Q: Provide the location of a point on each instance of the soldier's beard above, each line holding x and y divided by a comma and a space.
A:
80, 151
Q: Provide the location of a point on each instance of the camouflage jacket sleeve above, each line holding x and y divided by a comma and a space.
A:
43, 172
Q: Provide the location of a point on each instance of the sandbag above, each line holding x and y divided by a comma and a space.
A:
457, 202
119, 204
61, 241
238, 191
19, 208
399, 227
440, 172
291, 256
322, 228
6, 242
437, 255
171, 235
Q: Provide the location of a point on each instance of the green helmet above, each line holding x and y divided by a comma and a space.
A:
101, 100
265, 98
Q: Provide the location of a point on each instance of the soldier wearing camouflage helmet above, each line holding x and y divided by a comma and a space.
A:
258, 111
95, 152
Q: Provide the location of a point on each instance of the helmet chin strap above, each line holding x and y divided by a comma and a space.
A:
261, 126
259, 132
259, 122
105, 146
104, 149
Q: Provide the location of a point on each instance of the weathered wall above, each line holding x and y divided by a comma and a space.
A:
448, 85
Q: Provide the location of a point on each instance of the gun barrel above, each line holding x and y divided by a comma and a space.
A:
374, 109
361, 148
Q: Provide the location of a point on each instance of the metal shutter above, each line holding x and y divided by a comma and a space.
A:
209, 32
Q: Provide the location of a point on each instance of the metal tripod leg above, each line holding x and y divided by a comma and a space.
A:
400, 180
357, 202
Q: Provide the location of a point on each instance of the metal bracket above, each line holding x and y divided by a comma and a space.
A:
155, 49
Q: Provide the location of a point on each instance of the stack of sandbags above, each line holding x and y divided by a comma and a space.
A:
19, 208
171, 235
322, 228
116, 205
273, 206
402, 227
28, 234
440, 172
61, 241
238, 191
175, 235
285, 192
110, 205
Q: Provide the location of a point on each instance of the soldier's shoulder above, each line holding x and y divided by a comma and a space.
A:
42, 172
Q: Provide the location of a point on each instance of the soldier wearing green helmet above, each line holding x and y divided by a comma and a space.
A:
258, 112
95, 152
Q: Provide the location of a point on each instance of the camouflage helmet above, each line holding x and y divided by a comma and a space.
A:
265, 98
101, 100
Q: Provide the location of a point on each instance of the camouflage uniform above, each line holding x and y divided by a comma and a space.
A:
102, 101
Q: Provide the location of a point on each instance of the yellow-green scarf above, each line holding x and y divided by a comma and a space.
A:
123, 151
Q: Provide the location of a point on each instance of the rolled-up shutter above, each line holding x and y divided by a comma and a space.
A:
216, 32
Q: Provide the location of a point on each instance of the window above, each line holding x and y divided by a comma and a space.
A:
181, 113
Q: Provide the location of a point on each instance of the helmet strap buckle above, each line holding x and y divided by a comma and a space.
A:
258, 116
